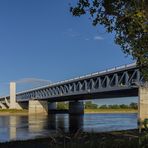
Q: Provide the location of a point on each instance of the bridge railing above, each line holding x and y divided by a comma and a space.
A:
111, 70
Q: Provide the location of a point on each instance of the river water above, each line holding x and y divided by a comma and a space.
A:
29, 127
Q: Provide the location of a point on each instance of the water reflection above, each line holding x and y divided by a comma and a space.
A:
52, 122
62, 122
12, 125
37, 123
75, 123
32, 126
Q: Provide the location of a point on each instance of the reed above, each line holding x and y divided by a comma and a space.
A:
79, 139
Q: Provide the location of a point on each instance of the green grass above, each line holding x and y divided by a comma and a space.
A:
13, 111
86, 111
110, 110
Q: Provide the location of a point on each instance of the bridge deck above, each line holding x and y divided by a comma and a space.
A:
115, 82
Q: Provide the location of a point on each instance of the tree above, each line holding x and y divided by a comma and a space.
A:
115, 106
133, 105
127, 18
123, 106
90, 105
62, 105
103, 107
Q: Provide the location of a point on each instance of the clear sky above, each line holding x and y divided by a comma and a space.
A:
41, 39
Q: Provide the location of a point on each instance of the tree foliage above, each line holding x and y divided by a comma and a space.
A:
90, 105
127, 18
133, 105
62, 105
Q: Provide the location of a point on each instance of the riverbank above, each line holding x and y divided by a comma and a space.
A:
122, 139
4, 112
7, 112
99, 111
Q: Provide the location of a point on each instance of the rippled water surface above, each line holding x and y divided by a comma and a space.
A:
28, 127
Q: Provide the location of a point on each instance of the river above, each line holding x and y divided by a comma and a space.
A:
29, 127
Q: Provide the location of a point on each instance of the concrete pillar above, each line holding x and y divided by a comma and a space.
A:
38, 107
52, 122
13, 104
76, 123
52, 106
12, 95
143, 103
76, 108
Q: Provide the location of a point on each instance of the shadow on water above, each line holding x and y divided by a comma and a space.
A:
33, 126
75, 123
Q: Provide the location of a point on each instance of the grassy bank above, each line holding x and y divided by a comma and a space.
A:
110, 110
25, 112
13, 111
120, 139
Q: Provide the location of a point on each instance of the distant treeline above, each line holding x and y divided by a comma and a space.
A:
91, 105
122, 106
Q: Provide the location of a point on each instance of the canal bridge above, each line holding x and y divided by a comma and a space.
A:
122, 81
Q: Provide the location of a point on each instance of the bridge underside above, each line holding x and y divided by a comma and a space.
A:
95, 95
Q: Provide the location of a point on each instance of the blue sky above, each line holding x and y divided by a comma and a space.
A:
41, 39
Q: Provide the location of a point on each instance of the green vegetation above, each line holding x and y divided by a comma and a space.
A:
13, 111
128, 19
94, 108
62, 105
121, 139
118, 139
90, 105
89, 108
98, 110
122, 106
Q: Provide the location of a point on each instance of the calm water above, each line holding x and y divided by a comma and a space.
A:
27, 127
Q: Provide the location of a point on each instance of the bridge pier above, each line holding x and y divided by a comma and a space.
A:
52, 107
38, 107
76, 108
143, 103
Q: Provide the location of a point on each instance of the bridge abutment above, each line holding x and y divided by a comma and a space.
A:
143, 103
76, 108
38, 107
